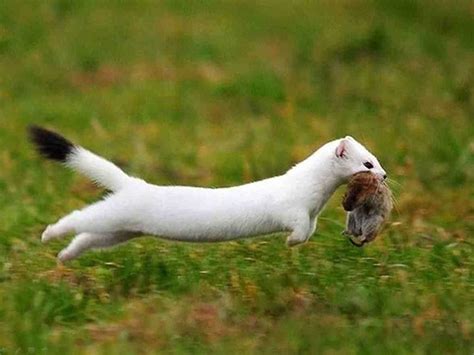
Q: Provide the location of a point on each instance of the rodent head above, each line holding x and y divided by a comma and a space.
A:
352, 158
366, 188
361, 187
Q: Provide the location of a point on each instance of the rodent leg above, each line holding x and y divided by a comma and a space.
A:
351, 224
371, 226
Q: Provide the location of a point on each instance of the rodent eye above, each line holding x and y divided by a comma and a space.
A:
368, 165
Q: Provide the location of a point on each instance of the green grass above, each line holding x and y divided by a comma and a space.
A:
219, 93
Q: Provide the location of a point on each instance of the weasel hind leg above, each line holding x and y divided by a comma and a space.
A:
99, 218
60, 229
85, 241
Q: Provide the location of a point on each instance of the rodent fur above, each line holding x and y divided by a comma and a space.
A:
368, 201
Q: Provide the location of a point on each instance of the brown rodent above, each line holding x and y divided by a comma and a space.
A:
368, 201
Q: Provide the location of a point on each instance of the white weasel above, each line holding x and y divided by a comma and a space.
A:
289, 202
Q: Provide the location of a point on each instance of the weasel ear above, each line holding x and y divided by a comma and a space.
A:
341, 150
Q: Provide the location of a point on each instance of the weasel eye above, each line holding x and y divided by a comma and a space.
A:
368, 165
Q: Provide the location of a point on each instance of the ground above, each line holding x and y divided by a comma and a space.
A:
219, 93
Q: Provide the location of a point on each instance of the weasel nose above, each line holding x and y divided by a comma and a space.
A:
384, 176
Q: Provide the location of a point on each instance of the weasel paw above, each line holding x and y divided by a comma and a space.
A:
65, 255
47, 235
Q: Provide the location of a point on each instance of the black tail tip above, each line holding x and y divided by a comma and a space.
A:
49, 144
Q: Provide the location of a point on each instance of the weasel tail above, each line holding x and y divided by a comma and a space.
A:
53, 146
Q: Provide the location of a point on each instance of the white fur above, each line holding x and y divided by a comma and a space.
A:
96, 168
289, 202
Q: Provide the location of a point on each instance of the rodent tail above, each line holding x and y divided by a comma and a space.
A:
53, 146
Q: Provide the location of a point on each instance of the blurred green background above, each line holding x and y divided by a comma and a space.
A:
218, 93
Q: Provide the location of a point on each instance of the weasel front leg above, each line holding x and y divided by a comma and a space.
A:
302, 228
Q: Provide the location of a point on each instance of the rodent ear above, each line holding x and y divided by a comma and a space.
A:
348, 202
352, 198
341, 150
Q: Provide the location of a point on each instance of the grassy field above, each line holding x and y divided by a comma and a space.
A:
218, 93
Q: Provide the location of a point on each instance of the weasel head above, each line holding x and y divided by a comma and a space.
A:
351, 158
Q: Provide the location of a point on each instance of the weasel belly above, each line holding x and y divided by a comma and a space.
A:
201, 214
